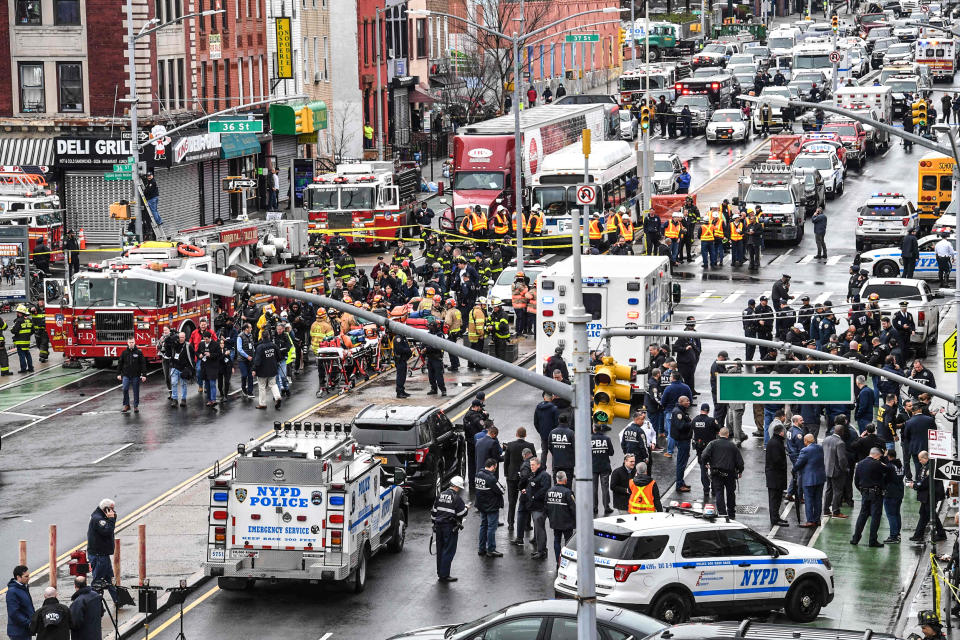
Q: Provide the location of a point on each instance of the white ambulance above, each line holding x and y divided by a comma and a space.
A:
618, 292
306, 503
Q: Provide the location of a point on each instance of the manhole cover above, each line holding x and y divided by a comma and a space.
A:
748, 509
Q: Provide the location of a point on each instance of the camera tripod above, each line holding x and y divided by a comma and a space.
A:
178, 595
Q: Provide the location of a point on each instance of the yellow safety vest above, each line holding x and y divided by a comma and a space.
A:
475, 325
500, 223
595, 233
706, 232
736, 231
718, 228
673, 230
641, 498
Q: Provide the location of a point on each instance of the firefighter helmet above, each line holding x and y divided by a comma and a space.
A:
22, 308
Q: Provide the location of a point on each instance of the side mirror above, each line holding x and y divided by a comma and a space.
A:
675, 292
443, 201
399, 477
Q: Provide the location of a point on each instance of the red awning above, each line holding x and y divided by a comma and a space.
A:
417, 96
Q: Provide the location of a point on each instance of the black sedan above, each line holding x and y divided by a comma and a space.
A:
543, 620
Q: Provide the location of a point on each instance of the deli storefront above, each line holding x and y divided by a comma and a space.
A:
188, 169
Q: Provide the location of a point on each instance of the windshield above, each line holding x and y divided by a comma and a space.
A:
891, 291
714, 48
45, 204
662, 166
597, 98
766, 195
136, 293
780, 43
776, 91
882, 45
640, 84
322, 199
741, 59
706, 72
478, 180
692, 101
508, 274
356, 197
821, 163
47, 219
93, 292
624, 546
726, 117
899, 48
812, 61
746, 79
555, 201
884, 210
903, 86
843, 129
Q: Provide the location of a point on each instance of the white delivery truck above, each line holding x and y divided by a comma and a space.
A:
875, 102
305, 503
618, 291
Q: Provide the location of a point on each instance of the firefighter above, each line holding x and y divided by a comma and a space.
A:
344, 266
596, 232
499, 223
4, 359
518, 299
476, 329
400, 254
531, 297
22, 330
500, 327
38, 316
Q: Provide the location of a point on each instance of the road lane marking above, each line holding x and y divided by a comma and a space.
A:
493, 393
832, 260
780, 258
730, 299
65, 409
326, 636
129, 444
27, 415
174, 618
806, 259
700, 299
43, 393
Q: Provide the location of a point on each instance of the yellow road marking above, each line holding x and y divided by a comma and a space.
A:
187, 608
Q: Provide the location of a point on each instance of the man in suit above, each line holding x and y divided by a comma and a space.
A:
836, 466
775, 470
513, 461
809, 465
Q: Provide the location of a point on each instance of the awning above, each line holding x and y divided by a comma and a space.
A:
235, 145
419, 97
26, 151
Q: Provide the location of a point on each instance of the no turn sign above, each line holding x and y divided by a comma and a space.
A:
925, 8
586, 194
835, 57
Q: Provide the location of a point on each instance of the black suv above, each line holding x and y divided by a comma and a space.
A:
421, 440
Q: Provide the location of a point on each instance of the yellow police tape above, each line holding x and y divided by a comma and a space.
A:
938, 577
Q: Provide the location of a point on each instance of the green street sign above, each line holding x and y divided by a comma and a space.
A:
582, 37
235, 126
113, 176
123, 168
793, 389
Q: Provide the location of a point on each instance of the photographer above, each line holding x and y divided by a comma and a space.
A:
100, 544
86, 610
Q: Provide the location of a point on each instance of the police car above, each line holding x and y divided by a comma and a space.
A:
885, 218
887, 263
673, 566
824, 159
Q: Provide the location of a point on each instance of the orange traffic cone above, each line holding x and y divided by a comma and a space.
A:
83, 240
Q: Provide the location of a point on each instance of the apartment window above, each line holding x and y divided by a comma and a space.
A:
160, 11
28, 12
203, 25
226, 84
326, 59
70, 80
248, 9
31, 88
223, 16
161, 85
216, 85
421, 37
253, 95
240, 79
66, 12
171, 84
203, 87
306, 59
363, 45
257, 2
316, 59
181, 85
177, 8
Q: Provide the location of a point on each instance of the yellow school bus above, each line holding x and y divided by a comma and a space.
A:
934, 184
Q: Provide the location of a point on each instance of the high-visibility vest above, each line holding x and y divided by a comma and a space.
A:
534, 222
531, 297
500, 223
626, 227
466, 224
706, 232
320, 331
641, 498
479, 221
718, 228
673, 230
612, 222
595, 232
513, 221
475, 325
736, 231
518, 296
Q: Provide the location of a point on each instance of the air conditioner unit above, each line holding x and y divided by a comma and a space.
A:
316, 76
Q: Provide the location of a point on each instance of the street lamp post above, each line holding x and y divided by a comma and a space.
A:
134, 101
379, 93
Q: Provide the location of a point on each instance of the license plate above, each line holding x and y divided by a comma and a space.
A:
724, 135
382, 459
243, 553
564, 562
217, 555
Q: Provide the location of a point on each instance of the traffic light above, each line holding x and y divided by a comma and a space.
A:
835, 23
610, 399
920, 113
622, 37
645, 118
304, 120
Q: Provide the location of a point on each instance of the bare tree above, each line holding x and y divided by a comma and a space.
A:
345, 121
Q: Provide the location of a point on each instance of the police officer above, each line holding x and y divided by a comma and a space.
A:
601, 450
489, 503
535, 503
704, 432
22, 330
52, 620
434, 356
681, 430
500, 327
764, 317
473, 423
905, 326
893, 496
447, 515
871, 478
562, 512
100, 544
561, 448
747, 316
726, 465
401, 354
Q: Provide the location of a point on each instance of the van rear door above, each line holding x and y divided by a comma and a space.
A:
274, 517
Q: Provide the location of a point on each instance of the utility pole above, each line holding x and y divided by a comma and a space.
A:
647, 163
379, 96
583, 470
633, 35
518, 155
134, 150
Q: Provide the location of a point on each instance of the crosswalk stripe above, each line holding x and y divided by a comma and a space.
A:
700, 299
733, 296
835, 259
806, 259
781, 258
823, 297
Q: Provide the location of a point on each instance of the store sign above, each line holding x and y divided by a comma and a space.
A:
215, 48
196, 148
284, 49
239, 237
91, 152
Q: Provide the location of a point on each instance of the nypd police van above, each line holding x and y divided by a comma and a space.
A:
305, 503
673, 566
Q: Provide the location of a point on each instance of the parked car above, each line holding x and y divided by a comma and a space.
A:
884, 219
922, 302
728, 125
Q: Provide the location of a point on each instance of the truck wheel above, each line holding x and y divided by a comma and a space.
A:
654, 54
671, 607
398, 532
234, 584
804, 601
358, 580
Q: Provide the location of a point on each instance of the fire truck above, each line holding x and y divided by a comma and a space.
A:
373, 202
26, 199
99, 311
306, 503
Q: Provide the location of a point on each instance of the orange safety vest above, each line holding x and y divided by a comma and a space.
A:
626, 228
736, 231
531, 296
480, 221
673, 230
534, 222
718, 228
518, 297
595, 233
612, 222
641, 499
466, 223
706, 232
500, 223
513, 222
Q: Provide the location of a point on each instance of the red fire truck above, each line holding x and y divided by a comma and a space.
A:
27, 200
96, 315
371, 202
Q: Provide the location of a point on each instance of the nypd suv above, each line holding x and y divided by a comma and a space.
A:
673, 566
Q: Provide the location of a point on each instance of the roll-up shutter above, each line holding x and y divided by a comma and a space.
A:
285, 149
216, 202
88, 198
179, 193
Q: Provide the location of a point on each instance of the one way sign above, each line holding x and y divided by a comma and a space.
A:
947, 469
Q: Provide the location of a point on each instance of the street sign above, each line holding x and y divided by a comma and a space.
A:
835, 57
586, 194
795, 389
123, 168
947, 469
950, 353
924, 8
582, 37
113, 176
235, 126
237, 183
939, 443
